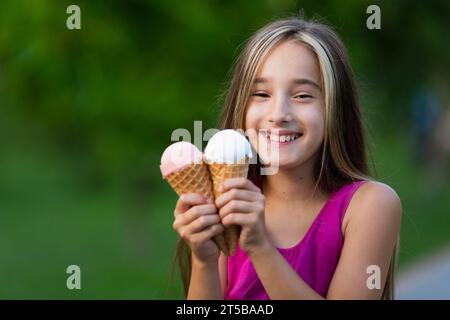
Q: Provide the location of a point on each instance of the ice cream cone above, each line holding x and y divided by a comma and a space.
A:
219, 173
194, 178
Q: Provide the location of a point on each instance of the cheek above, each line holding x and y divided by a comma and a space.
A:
314, 121
252, 116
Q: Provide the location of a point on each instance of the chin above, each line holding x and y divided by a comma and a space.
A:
293, 161
285, 163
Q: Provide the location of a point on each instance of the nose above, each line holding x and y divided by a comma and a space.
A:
280, 111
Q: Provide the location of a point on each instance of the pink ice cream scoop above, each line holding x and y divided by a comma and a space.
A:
177, 156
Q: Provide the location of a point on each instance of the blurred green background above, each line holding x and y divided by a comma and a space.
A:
85, 115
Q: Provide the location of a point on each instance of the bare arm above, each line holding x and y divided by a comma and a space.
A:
223, 272
205, 281
370, 236
197, 222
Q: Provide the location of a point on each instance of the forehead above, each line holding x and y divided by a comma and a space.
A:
289, 60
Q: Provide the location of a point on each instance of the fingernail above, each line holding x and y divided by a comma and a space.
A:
220, 188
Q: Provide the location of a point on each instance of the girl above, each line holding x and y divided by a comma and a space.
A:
320, 228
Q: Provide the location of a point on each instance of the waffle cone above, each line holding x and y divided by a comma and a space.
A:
219, 173
195, 178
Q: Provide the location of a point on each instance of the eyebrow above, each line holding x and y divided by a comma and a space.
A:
296, 81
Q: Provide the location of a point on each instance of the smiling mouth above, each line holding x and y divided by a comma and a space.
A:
280, 138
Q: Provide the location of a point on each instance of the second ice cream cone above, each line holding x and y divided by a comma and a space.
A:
219, 173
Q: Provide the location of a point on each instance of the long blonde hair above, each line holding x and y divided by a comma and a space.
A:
343, 157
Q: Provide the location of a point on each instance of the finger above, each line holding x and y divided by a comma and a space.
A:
194, 213
199, 225
237, 206
208, 233
240, 219
238, 194
238, 183
186, 201
203, 222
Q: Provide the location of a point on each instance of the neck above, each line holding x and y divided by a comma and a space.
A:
293, 185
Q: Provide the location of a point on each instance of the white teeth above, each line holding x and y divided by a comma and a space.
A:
276, 138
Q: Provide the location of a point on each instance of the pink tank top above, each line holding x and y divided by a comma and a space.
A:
314, 258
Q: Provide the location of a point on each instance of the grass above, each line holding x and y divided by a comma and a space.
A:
50, 220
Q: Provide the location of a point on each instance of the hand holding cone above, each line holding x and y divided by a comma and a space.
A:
228, 154
183, 167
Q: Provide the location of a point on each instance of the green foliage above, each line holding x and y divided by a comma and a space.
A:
85, 115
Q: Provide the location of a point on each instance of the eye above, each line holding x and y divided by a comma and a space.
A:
303, 96
260, 94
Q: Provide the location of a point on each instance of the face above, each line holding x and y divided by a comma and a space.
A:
286, 107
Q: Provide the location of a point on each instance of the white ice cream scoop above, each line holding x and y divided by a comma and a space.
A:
228, 146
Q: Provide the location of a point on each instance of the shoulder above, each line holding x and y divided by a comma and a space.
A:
373, 201
374, 191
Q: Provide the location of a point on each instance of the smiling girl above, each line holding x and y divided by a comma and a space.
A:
318, 227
